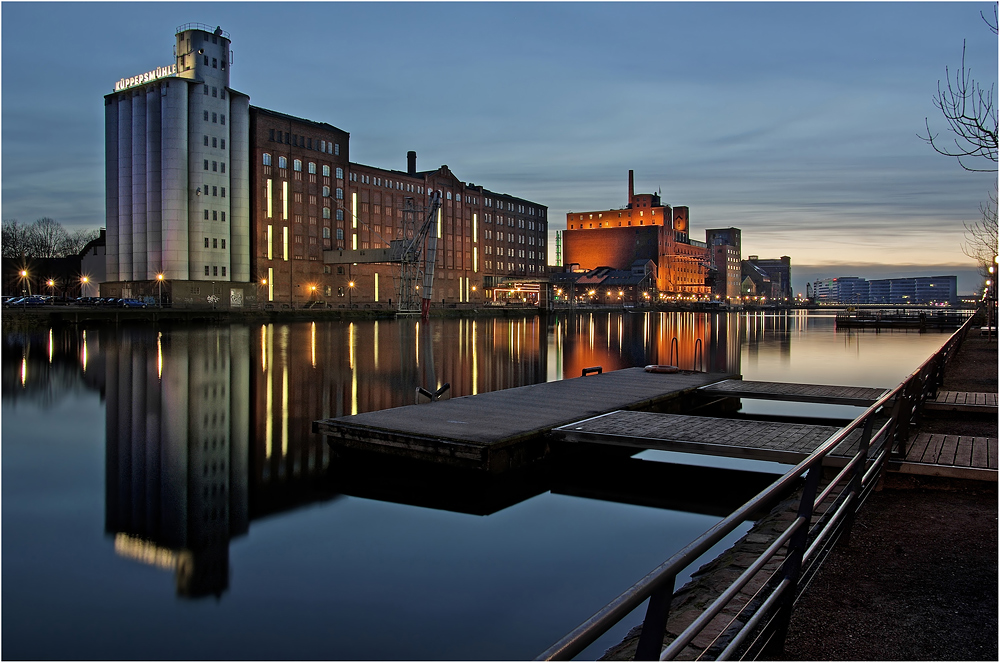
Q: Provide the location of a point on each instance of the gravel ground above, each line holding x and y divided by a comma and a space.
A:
918, 579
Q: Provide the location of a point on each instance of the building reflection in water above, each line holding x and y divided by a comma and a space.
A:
209, 428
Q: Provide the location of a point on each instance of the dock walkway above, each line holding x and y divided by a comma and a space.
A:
500, 430
791, 391
963, 401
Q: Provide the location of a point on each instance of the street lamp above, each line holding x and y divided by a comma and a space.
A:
159, 290
24, 277
84, 280
350, 294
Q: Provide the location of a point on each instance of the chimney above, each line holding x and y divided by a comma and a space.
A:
631, 188
411, 163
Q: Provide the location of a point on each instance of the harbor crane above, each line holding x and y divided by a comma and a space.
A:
416, 270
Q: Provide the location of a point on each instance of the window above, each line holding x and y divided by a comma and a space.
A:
312, 166
223, 217
206, 242
223, 271
326, 212
215, 190
340, 193
206, 60
222, 144
215, 92
215, 242
206, 270
206, 140
214, 141
223, 191
206, 116
267, 159
309, 146
340, 215
297, 165
336, 149
215, 63
215, 215
223, 246
222, 119
282, 162
326, 171
206, 215
215, 117
215, 166
340, 233
271, 134
206, 164
206, 89
326, 192
223, 166
326, 233
340, 173
215, 271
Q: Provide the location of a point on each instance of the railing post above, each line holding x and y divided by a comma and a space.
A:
654, 626
856, 480
792, 567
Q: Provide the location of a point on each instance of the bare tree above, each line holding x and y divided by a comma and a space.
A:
50, 238
971, 114
981, 236
16, 239
76, 241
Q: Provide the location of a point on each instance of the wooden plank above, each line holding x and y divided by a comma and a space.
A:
761, 440
961, 401
980, 452
963, 453
917, 447
991, 445
948, 450
791, 391
933, 450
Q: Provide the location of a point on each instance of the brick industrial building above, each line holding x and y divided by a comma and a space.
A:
645, 229
234, 205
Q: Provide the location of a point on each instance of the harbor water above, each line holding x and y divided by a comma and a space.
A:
164, 495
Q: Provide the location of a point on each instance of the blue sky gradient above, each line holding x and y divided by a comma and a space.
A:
796, 122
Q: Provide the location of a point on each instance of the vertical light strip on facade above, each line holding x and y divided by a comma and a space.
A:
475, 228
270, 246
475, 258
376, 286
354, 241
270, 282
439, 223
284, 201
354, 210
284, 243
270, 200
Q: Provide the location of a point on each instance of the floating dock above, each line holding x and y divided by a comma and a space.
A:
502, 430
801, 393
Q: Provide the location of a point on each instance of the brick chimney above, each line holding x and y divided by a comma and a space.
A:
411, 163
631, 187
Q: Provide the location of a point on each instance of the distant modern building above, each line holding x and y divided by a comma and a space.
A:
911, 290
233, 205
645, 229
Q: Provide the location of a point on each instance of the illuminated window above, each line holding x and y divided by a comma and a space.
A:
326, 171
282, 162
326, 212
336, 149
340, 173
297, 165
326, 192
312, 167
340, 193
326, 233
267, 159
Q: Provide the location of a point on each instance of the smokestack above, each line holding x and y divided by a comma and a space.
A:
411, 163
631, 187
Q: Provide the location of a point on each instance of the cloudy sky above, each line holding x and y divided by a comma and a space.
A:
796, 122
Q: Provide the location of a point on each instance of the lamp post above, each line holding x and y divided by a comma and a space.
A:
24, 277
350, 294
84, 280
159, 290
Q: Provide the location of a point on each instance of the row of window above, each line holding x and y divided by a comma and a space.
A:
216, 62
215, 91
215, 243
215, 271
216, 142
217, 118
215, 216
215, 166
297, 166
327, 147
215, 190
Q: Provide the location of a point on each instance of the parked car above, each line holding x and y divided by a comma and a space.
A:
131, 303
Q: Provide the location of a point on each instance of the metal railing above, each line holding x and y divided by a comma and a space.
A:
825, 513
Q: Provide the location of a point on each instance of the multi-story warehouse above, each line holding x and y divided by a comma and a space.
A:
645, 229
911, 290
725, 255
219, 203
780, 272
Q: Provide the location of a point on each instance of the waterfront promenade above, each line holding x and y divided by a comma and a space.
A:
918, 579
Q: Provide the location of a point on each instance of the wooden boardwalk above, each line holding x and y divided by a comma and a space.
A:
736, 438
790, 391
963, 401
953, 456
500, 430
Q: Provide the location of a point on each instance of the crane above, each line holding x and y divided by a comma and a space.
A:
405, 251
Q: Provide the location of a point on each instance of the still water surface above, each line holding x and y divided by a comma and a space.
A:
164, 496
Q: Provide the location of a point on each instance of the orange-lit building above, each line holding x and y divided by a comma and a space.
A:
645, 229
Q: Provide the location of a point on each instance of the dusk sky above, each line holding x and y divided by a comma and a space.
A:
795, 122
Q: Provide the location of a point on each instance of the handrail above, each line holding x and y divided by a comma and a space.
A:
803, 545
